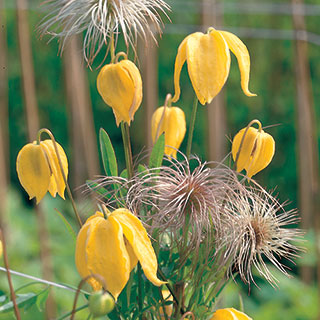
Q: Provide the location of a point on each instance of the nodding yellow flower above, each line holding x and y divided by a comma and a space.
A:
208, 60
39, 170
171, 121
252, 149
229, 314
120, 86
112, 247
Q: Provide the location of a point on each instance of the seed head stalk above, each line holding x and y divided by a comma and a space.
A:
191, 127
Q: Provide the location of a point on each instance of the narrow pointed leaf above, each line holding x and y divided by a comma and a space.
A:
108, 155
67, 225
157, 153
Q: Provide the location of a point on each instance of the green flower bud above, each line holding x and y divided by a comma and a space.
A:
101, 303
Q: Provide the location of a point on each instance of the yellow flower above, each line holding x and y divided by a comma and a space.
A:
171, 121
208, 60
120, 86
255, 147
39, 170
112, 247
229, 314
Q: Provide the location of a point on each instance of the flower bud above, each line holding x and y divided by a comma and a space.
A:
171, 121
120, 86
252, 149
101, 303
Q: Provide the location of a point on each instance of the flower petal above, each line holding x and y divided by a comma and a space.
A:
180, 60
239, 315
247, 148
49, 150
229, 314
208, 60
33, 171
241, 52
137, 236
263, 154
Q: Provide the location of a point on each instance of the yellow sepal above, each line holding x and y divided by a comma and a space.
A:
208, 60
57, 183
229, 314
138, 238
120, 86
241, 52
173, 124
33, 171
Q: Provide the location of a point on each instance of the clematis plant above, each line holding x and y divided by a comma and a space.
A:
170, 232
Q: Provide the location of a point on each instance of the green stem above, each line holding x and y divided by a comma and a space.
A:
140, 300
191, 127
49, 133
127, 148
76, 310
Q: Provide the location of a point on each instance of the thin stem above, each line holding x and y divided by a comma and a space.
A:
127, 148
243, 137
49, 133
69, 313
191, 127
112, 48
140, 301
6, 263
81, 283
163, 278
189, 313
167, 104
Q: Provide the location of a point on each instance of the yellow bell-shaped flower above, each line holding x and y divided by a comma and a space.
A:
120, 86
171, 121
208, 61
229, 314
39, 170
255, 147
112, 247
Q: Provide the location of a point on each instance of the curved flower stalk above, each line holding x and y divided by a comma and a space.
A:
258, 230
112, 247
208, 61
172, 122
120, 86
39, 170
229, 314
102, 20
252, 149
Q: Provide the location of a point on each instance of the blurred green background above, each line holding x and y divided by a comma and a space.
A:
269, 38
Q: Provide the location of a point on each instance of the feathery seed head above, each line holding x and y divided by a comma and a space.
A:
102, 19
258, 228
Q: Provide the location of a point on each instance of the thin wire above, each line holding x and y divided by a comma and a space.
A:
220, 8
255, 33
38, 279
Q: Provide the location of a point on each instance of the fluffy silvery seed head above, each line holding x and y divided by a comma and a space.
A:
186, 200
102, 19
260, 229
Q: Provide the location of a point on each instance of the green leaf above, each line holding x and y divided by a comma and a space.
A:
67, 225
42, 298
124, 174
157, 153
108, 155
23, 300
